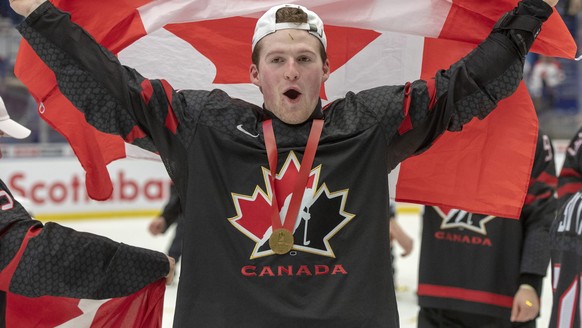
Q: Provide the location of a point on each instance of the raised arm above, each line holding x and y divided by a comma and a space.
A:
470, 88
114, 99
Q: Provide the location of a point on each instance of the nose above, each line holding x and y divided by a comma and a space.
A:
291, 72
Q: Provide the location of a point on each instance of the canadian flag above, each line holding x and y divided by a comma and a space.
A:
195, 44
142, 309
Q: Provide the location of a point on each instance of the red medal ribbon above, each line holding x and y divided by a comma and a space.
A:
300, 183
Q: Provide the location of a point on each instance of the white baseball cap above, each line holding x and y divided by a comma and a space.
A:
10, 127
267, 24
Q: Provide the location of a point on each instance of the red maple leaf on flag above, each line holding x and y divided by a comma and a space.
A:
141, 309
228, 45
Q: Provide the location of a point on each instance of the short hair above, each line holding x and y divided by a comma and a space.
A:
288, 15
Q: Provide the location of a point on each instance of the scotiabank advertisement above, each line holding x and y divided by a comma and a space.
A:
54, 188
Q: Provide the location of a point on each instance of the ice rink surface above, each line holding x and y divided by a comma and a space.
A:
133, 231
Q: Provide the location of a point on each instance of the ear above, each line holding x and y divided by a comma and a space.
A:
326, 70
254, 75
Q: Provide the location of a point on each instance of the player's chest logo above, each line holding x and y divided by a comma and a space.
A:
321, 213
6, 201
454, 218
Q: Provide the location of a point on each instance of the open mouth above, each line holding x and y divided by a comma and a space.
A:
292, 94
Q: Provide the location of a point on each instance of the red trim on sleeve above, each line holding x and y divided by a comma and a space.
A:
135, 133
569, 172
8, 272
431, 88
532, 198
545, 178
171, 121
465, 295
406, 124
569, 188
147, 90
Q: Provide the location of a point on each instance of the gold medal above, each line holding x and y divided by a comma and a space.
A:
281, 241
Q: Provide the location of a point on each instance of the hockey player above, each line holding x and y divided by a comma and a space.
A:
242, 264
566, 241
483, 271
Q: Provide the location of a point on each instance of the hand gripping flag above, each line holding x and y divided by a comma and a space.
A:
196, 45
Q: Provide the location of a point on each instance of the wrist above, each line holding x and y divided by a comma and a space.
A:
527, 287
33, 5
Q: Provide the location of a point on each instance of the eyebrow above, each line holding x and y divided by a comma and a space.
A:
276, 52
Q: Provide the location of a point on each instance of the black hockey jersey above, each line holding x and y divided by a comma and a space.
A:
566, 241
475, 263
338, 272
566, 246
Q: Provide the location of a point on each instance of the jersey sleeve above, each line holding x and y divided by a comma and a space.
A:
114, 99
539, 209
570, 179
59, 261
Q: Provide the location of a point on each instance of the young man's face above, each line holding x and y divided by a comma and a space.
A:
290, 74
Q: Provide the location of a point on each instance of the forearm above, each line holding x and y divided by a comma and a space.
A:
539, 209
533, 280
471, 87
536, 218
493, 70
63, 262
89, 76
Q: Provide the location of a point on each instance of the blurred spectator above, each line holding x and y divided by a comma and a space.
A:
546, 75
172, 213
6, 11
572, 7
3, 69
398, 235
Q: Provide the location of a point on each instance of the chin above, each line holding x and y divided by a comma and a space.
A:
294, 119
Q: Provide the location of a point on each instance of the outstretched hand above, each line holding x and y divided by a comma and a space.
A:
25, 7
157, 226
526, 305
401, 237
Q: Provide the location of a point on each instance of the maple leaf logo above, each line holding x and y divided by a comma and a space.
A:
55, 311
454, 218
320, 216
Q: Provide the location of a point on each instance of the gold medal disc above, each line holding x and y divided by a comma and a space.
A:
281, 241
